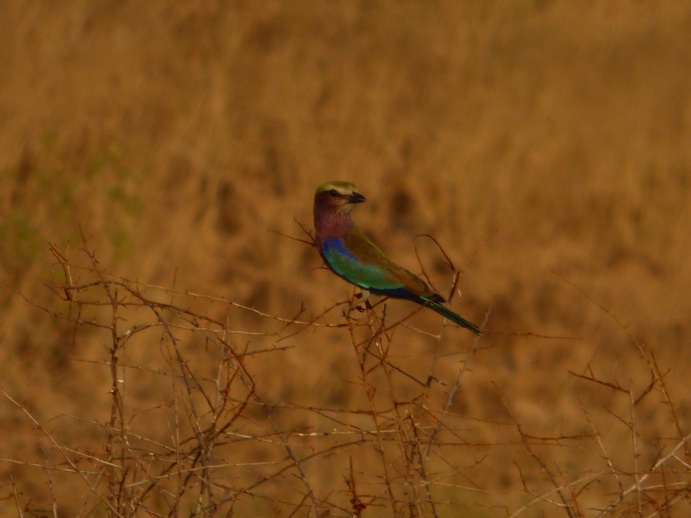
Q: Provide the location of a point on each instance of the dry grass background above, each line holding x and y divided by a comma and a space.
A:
148, 363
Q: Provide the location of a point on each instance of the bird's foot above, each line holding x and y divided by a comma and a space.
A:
362, 294
356, 303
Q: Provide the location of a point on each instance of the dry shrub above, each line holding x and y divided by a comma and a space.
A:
184, 420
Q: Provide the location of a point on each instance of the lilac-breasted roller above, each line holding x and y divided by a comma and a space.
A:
352, 256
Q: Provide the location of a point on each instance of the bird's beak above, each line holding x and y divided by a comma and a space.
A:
356, 197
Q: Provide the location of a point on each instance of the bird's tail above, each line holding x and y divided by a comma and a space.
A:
454, 317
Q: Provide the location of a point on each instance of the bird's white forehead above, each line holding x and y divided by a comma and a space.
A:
340, 187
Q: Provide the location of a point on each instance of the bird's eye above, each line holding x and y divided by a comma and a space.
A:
333, 192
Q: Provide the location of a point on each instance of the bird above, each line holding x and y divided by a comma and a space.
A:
351, 255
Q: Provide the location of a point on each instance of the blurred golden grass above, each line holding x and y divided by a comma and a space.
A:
544, 144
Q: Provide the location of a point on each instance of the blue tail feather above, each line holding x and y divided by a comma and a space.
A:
454, 317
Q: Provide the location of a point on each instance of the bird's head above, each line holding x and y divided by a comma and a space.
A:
337, 197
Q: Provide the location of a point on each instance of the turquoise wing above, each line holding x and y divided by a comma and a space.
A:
348, 266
